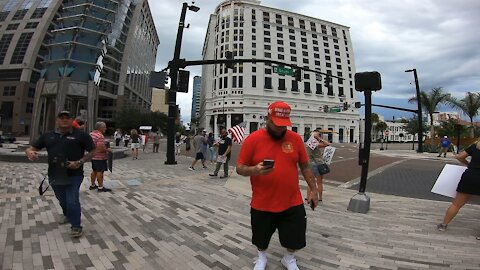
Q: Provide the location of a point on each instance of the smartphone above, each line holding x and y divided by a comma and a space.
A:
268, 163
312, 205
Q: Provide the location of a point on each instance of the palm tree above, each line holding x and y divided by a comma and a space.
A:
430, 102
381, 126
469, 106
375, 120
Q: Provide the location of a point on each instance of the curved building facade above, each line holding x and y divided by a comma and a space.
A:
242, 94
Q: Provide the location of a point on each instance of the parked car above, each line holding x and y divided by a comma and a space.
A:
7, 137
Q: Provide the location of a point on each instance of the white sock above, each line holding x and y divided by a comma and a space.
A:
262, 255
289, 256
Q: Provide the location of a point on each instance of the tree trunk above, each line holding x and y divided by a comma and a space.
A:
432, 128
472, 128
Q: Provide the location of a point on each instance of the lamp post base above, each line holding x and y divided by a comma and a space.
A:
360, 203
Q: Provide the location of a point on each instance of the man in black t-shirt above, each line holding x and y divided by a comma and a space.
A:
224, 152
66, 148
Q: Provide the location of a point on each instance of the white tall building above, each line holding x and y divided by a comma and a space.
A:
243, 94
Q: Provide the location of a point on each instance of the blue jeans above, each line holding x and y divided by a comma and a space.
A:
68, 197
212, 153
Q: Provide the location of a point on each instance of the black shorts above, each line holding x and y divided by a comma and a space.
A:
99, 165
199, 156
291, 225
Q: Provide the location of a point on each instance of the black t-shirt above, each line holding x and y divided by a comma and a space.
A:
475, 154
223, 145
62, 148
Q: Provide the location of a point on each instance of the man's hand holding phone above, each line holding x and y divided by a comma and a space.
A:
265, 167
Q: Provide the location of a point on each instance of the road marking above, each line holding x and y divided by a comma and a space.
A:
355, 181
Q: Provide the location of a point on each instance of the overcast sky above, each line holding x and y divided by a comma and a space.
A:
437, 37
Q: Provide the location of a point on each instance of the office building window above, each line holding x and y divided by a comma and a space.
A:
319, 89
307, 87
9, 91
13, 26
29, 108
294, 86
31, 92
4, 44
281, 84
38, 13
268, 83
19, 14
21, 48
31, 25
254, 81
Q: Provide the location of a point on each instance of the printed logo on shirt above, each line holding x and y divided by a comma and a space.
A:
287, 147
70, 138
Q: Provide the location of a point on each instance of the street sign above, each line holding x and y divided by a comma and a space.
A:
283, 70
335, 109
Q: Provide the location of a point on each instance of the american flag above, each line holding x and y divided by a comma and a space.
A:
238, 132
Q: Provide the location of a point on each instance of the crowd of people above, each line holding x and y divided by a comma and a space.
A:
270, 156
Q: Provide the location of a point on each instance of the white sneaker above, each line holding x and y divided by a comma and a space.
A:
191, 168
290, 265
260, 264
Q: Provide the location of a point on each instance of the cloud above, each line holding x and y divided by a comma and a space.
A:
437, 37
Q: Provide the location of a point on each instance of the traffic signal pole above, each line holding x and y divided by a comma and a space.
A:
172, 97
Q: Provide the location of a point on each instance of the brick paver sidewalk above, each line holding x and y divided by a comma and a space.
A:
167, 217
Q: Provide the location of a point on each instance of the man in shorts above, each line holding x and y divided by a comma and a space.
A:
198, 142
99, 160
276, 198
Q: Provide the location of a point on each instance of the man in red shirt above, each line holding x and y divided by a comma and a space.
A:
99, 160
276, 198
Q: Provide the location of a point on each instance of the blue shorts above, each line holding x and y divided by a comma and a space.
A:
315, 169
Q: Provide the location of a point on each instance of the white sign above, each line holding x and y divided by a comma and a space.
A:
312, 143
328, 154
145, 127
448, 179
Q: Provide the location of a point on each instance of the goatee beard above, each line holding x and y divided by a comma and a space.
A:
275, 136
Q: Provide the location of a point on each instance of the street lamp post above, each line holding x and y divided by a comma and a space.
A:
224, 115
172, 97
419, 110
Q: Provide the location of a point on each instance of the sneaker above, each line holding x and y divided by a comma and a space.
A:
213, 174
205, 167
260, 264
104, 189
477, 237
191, 168
442, 227
223, 176
93, 187
438, 156
76, 232
63, 220
290, 265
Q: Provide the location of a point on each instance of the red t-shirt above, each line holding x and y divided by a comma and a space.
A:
278, 190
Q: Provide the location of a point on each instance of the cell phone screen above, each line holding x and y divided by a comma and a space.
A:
268, 163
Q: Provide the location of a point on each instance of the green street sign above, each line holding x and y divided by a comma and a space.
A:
335, 110
283, 71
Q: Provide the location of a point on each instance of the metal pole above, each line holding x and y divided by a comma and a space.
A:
365, 151
172, 97
420, 118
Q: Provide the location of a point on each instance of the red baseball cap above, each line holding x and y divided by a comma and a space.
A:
279, 113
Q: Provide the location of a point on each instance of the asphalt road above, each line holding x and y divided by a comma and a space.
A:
387, 175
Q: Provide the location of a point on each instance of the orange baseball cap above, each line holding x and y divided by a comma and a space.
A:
279, 112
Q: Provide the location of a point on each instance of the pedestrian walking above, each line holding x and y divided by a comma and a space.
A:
444, 145
468, 185
117, 136
156, 141
270, 157
211, 147
187, 139
126, 140
317, 164
205, 145
135, 145
66, 148
224, 153
99, 160
198, 141
178, 143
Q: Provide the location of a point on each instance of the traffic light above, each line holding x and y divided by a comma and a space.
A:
183, 79
358, 104
326, 82
345, 106
229, 56
325, 108
158, 79
365, 81
298, 74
